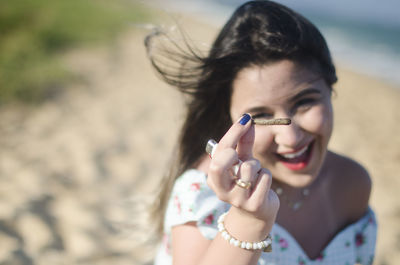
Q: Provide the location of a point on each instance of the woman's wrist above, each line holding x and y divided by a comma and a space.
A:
245, 226
264, 245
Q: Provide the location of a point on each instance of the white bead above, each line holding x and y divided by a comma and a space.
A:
243, 245
221, 219
267, 243
226, 236
237, 243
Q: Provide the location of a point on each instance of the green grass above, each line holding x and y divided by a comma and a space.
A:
33, 34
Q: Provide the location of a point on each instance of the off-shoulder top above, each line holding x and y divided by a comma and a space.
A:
192, 200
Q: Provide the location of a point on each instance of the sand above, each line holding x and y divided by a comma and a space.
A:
71, 170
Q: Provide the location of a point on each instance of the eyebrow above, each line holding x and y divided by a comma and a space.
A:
305, 92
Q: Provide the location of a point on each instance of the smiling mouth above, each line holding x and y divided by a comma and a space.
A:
298, 160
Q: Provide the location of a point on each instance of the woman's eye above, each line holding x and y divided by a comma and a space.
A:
305, 102
261, 115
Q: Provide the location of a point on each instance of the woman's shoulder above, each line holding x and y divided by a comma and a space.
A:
202, 164
192, 200
351, 184
189, 178
348, 167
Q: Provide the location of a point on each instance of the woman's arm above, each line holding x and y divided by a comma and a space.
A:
252, 213
189, 246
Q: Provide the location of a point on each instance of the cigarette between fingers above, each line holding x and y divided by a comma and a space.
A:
280, 121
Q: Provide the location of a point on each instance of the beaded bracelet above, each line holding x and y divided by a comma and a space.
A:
265, 245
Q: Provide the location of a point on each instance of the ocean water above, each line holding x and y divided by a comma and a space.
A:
363, 35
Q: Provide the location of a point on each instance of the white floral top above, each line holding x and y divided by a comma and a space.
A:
192, 200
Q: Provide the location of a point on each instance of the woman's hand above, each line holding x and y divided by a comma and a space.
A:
256, 206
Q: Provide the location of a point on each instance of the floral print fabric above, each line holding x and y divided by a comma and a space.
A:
192, 200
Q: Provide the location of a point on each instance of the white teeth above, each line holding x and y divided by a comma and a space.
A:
297, 154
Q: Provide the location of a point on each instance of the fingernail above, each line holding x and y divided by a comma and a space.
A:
245, 118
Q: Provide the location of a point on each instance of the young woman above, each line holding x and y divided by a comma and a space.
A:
274, 185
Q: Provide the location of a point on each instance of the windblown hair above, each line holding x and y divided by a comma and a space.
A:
258, 33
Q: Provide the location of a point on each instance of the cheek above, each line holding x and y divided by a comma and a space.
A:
319, 120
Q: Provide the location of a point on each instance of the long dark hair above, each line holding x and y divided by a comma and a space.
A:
258, 33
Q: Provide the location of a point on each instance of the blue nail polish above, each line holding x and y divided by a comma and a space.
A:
245, 118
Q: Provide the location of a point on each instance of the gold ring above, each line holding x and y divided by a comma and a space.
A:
243, 184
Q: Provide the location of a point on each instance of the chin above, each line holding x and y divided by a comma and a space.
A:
303, 174
296, 180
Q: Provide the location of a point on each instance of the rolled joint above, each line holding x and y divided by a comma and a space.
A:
279, 121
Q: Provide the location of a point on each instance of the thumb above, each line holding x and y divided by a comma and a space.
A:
245, 144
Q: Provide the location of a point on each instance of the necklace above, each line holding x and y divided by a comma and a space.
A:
294, 205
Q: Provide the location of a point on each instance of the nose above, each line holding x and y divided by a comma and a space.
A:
288, 135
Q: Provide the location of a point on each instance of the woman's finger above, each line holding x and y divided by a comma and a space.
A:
245, 145
245, 181
261, 189
234, 134
248, 170
220, 177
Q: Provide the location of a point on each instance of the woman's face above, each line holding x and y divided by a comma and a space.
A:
293, 153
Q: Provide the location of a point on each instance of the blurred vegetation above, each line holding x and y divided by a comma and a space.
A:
33, 34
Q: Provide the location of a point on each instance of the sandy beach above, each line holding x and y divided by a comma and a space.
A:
73, 170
